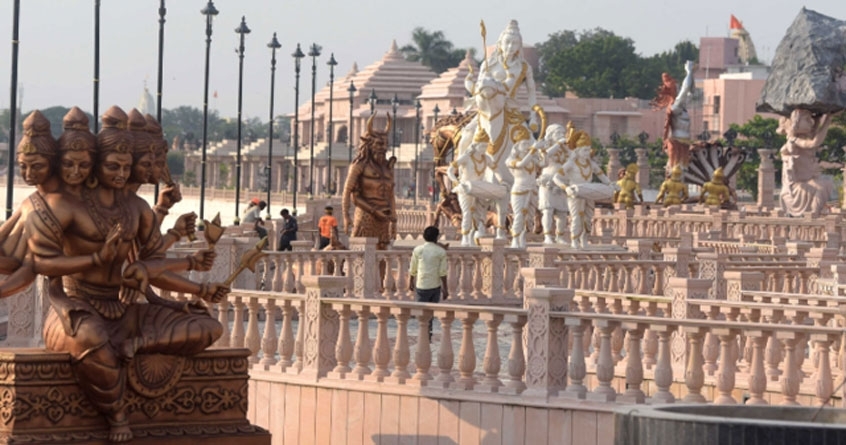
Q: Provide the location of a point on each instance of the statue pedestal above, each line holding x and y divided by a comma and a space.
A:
41, 403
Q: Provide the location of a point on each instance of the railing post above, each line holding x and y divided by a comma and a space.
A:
766, 179
680, 256
712, 267
493, 263
537, 277
321, 325
365, 270
542, 256
737, 282
822, 257
642, 247
546, 345
681, 290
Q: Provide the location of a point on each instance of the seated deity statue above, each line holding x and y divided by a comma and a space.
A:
370, 187
804, 190
525, 164
629, 192
100, 248
715, 192
577, 181
552, 201
673, 191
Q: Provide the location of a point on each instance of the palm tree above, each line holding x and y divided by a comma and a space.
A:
432, 49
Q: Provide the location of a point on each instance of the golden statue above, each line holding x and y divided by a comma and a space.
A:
100, 246
370, 186
715, 192
630, 191
673, 191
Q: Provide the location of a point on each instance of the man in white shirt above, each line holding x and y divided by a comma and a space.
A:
428, 270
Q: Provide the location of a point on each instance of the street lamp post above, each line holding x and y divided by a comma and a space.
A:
350, 139
96, 65
298, 56
242, 30
435, 111
417, 106
273, 45
372, 100
209, 11
329, 128
160, 79
394, 106
314, 52
13, 108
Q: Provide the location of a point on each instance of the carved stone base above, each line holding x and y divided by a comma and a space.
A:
40, 402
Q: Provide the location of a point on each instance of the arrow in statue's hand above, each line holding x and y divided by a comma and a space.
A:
213, 231
249, 260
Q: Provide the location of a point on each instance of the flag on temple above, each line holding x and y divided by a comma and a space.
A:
735, 23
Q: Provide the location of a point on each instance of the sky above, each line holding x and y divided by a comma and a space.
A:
57, 40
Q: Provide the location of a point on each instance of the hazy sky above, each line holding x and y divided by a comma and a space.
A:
57, 39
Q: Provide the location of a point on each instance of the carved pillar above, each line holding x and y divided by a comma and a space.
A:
542, 256
737, 282
365, 271
538, 276
643, 247
822, 257
493, 263
642, 168
681, 290
712, 267
546, 346
613, 162
766, 179
321, 325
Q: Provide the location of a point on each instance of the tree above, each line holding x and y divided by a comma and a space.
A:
433, 50
756, 133
598, 63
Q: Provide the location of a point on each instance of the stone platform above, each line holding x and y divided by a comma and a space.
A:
201, 399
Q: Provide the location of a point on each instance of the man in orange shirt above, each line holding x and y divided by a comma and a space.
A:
328, 227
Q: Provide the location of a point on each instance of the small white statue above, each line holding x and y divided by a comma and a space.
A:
579, 171
469, 168
804, 190
552, 201
525, 163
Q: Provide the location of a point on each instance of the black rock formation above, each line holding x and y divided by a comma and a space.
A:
809, 67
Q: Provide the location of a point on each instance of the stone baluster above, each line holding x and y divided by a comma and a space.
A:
362, 344
792, 377
773, 353
466, 353
286, 337
252, 340
278, 280
446, 357
577, 369
824, 387
634, 364
223, 318
344, 347
403, 291
766, 179
269, 339
454, 272
402, 354
711, 344
381, 347
516, 358
726, 374
423, 353
238, 334
492, 362
290, 284
493, 262
365, 275
298, 343
663, 368
757, 374
546, 340
617, 337
694, 376
650, 340
604, 392
477, 282
388, 283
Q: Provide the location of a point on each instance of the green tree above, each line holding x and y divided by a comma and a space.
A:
557, 42
757, 133
433, 50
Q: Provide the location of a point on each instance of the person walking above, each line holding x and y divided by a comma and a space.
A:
328, 227
428, 270
289, 231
